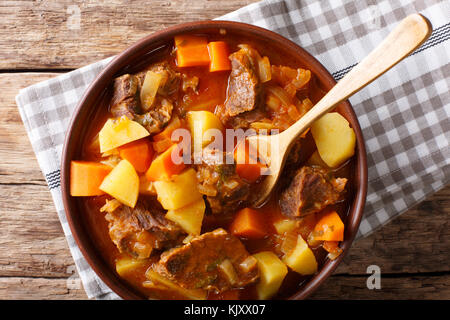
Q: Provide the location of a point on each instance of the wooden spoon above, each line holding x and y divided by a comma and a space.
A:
404, 39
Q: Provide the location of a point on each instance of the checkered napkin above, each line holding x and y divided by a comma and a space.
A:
404, 114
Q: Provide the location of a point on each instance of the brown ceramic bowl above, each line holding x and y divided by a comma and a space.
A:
133, 56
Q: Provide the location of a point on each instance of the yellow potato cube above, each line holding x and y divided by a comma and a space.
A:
301, 259
272, 272
285, 225
125, 265
335, 139
179, 192
199, 123
190, 217
122, 183
117, 132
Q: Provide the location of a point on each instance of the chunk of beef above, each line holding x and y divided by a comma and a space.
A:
214, 260
125, 87
140, 229
311, 190
157, 119
124, 100
244, 86
242, 120
300, 152
218, 180
127, 107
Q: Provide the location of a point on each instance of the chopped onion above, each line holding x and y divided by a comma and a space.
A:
228, 270
272, 102
151, 285
334, 255
303, 77
291, 90
282, 121
248, 264
258, 125
307, 104
112, 160
110, 205
312, 242
231, 184
289, 242
142, 249
293, 112
281, 94
303, 106
265, 71
207, 190
149, 89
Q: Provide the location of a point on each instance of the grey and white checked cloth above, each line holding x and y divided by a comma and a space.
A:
404, 114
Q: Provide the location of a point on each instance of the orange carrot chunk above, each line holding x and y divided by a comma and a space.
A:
192, 51
249, 223
162, 145
165, 165
329, 227
86, 178
248, 166
218, 53
139, 153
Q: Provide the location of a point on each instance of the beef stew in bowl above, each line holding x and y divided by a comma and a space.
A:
163, 183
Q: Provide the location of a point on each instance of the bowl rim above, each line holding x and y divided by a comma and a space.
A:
118, 63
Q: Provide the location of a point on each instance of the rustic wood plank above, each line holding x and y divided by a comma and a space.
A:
18, 163
46, 33
16, 288
31, 239
35, 261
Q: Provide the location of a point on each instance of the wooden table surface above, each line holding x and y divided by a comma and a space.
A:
38, 42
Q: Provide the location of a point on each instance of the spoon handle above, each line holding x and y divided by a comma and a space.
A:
404, 39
